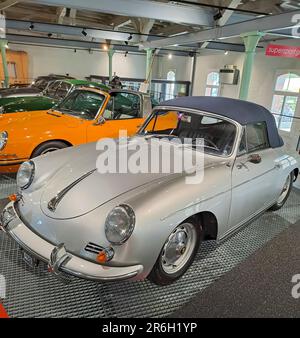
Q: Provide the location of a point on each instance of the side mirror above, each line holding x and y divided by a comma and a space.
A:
101, 120
254, 158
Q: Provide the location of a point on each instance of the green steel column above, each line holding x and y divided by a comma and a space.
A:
3, 44
110, 53
149, 62
250, 40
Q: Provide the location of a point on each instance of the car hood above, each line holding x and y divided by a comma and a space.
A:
78, 188
43, 120
18, 91
26, 103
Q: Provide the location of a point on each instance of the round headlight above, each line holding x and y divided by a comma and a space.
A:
3, 139
25, 174
119, 224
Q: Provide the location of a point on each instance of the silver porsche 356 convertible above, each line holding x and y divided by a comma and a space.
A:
116, 226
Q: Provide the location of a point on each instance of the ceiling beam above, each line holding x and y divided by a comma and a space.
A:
6, 4
225, 17
213, 5
263, 24
72, 16
77, 44
123, 23
61, 13
139, 8
96, 34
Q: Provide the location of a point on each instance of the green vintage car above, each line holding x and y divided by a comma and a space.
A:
54, 93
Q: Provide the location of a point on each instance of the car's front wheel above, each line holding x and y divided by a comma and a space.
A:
177, 254
284, 195
48, 147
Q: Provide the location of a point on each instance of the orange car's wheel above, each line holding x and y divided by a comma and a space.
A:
48, 147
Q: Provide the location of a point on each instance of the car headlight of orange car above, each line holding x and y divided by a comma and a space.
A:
25, 174
3, 139
119, 224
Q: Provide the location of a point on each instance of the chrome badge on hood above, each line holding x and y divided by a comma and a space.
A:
53, 203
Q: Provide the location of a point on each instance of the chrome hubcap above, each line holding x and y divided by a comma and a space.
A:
178, 248
285, 190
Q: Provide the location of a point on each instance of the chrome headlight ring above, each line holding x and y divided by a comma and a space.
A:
119, 224
3, 139
25, 174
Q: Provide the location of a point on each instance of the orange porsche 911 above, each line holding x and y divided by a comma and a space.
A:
85, 115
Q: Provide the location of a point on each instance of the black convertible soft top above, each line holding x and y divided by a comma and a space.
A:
243, 112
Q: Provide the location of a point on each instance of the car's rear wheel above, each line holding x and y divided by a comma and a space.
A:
284, 195
48, 147
177, 254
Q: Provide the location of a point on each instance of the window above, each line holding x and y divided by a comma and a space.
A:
52, 88
255, 137
212, 84
12, 70
214, 136
82, 103
40, 84
123, 106
170, 87
62, 90
285, 99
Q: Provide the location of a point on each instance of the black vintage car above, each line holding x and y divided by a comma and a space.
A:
37, 86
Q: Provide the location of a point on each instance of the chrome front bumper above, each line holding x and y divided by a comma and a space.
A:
59, 260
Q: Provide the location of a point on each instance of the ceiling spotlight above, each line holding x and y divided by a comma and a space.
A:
126, 53
130, 37
226, 52
218, 16
31, 27
105, 47
170, 56
49, 35
83, 32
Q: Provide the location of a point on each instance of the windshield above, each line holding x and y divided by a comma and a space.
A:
216, 136
40, 84
50, 91
82, 103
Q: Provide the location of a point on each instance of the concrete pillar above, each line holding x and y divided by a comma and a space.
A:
250, 40
110, 53
149, 63
3, 44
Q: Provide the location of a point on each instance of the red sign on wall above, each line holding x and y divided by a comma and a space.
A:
283, 51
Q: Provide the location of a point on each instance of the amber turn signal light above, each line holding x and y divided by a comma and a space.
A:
102, 257
105, 255
13, 197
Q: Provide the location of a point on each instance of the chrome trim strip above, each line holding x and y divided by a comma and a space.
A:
103, 279
53, 203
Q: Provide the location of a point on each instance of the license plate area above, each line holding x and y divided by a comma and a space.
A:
29, 259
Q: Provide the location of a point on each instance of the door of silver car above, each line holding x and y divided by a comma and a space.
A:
253, 175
